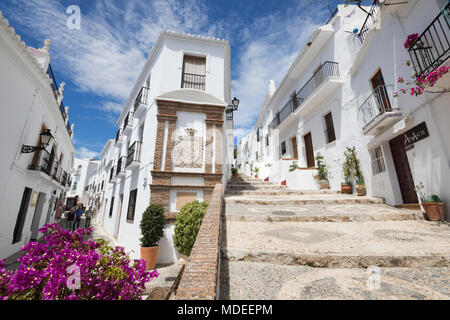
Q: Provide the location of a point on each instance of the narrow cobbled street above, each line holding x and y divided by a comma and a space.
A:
284, 244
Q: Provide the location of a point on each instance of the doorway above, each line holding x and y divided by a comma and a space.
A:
404, 176
380, 92
294, 147
37, 216
21, 217
309, 151
116, 232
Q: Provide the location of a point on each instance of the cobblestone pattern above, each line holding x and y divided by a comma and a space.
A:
199, 280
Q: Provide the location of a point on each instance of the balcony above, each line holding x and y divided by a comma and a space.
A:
140, 104
43, 163
64, 179
432, 48
128, 123
370, 21
322, 83
134, 155
112, 175
193, 81
119, 137
121, 167
377, 112
56, 172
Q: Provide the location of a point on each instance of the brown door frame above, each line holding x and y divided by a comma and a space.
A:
381, 95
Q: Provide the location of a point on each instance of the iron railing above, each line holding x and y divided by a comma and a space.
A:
377, 104
43, 163
134, 153
193, 81
327, 69
141, 98
333, 14
370, 20
121, 165
118, 135
128, 120
111, 173
64, 179
432, 48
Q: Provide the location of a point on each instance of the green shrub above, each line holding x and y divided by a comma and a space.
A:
187, 224
152, 225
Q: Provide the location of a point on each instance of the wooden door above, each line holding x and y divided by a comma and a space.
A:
309, 151
404, 176
294, 147
380, 92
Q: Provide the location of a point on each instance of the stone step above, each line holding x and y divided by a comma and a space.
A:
275, 192
241, 280
255, 187
319, 213
251, 183
298, 200
339, 245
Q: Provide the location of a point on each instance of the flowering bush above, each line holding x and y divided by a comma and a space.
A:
412, 38
421, 82
64, 267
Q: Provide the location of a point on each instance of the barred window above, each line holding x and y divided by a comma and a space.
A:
376, 157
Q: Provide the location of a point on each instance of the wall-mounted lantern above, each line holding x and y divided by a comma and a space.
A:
44, 140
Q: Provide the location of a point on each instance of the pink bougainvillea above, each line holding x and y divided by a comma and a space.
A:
421, 82
46, 269
412, 38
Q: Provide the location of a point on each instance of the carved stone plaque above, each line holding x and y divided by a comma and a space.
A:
188, 151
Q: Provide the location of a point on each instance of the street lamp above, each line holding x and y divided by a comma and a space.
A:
44, 140
231, 108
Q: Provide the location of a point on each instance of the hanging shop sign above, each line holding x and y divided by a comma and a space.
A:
416, 134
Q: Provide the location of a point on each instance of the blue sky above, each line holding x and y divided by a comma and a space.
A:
101, 62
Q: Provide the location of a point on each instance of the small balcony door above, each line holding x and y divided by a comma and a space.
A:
294, 148
380, 92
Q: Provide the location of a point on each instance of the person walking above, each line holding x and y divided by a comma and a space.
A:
70, 219
87, 215
78, 214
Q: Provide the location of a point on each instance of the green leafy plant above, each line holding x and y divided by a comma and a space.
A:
352, 167
187, 224
256, 170
234, 171
294, 166
152, 225
322, 168
420, 189
268, 165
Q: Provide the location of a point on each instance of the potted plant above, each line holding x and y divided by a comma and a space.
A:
152, 230
293, 166
433, 206
352, 169
347, 170
360, 186
256, 172
322, 173
234, 172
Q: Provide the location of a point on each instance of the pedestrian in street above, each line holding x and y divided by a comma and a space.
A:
87, 215
78, 214
70, 218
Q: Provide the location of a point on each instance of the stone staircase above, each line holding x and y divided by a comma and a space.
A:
279, 243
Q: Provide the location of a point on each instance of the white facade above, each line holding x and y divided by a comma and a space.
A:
82, 170
146, 128
346, 94
31, 183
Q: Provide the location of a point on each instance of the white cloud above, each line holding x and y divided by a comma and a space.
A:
84, 153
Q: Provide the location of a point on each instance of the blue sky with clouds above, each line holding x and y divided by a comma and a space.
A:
101, 62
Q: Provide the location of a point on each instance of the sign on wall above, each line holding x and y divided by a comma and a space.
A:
416, 134
34, 199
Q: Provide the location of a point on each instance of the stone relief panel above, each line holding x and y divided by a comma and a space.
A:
188, 150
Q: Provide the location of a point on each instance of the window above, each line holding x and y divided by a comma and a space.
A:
131, 205
376, 157
22, 215
257, 156
267, 140
79, 170
283, 147
111, 207
194, 73
329, 132
74, 185
258, 135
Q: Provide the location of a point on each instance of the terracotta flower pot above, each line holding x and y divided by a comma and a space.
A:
149, 254
256, 176
324, 184
435, 211
346, 189
361, 189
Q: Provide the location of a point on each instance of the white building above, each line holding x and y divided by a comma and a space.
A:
82, 169
31, 103
339, 92
173, 138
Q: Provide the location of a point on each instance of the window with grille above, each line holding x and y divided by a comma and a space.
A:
194, 73
329, 132
283, 148
131, 205
111, 207
267, 140
376, 157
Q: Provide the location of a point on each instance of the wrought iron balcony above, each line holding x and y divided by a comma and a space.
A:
326, 70
119, 136
56, 171
112, 173
370, 20
128, 123
43, 163
432, 48
193, 81
121, 166
134, 154
377, 110
140, 102
64, 179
